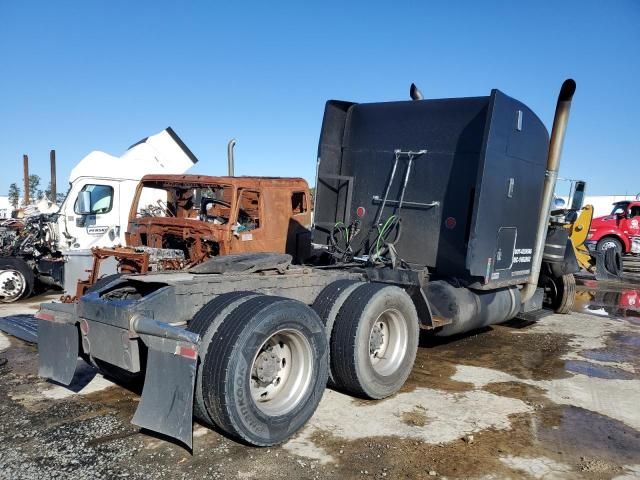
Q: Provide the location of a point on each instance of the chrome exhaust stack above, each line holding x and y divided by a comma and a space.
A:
415, 93
230, 159
558, 131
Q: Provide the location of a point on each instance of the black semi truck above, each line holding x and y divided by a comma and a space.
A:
429, 214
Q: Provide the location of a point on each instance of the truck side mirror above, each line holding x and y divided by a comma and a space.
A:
84, 203
578, 195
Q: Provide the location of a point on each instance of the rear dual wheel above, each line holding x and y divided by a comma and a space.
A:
328, 304
374, 338
263, 366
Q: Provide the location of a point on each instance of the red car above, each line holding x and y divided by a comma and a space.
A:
617, 229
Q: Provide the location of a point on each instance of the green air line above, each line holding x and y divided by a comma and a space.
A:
382, 232
345, 231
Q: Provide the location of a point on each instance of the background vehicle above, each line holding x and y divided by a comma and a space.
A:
406, 235
54, 249
616, 230
568, 228
178, 221
576, 219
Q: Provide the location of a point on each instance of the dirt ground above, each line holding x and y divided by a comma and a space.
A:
555, 399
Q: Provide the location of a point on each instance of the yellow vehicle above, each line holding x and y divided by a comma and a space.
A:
578, 231
576, 220
569, 224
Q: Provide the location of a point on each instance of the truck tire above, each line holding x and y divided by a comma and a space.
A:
205, 323
613, 261
16, 279
328, 304
606, 243
269, 370
374, 341
560, 292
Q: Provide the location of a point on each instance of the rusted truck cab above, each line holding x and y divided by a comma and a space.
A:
206, 216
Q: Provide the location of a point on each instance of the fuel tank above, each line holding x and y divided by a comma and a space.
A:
471, 309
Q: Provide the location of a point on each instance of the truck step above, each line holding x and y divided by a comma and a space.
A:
535, 315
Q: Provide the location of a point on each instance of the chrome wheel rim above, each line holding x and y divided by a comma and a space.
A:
388, 340
12, 285
281, 372
608, 244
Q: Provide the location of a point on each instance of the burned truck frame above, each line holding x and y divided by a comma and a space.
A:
208, 216
430, 214
201, 216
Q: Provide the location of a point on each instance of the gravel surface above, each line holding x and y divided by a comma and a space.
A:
557, 399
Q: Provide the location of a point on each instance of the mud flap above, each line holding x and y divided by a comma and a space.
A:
57, 350
166, 405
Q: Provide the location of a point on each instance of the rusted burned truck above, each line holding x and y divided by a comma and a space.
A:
429, 214
178, 221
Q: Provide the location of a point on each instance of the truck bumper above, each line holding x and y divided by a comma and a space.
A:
166, 405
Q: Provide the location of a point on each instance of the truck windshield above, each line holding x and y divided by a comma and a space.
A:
620, 207
207, 203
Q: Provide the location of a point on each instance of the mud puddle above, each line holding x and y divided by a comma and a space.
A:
582, 433
19, 356
620, 301
597, 371
502, 347
558, 442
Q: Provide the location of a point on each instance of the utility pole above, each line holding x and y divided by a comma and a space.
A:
52, 161
25, 162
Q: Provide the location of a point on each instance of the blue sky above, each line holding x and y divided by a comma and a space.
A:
99, 75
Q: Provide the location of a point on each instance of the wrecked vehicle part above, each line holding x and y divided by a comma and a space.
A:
29, 243
208, 216
16, 279
56, 246
201, 217
36, 236
129, 260
9, 230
